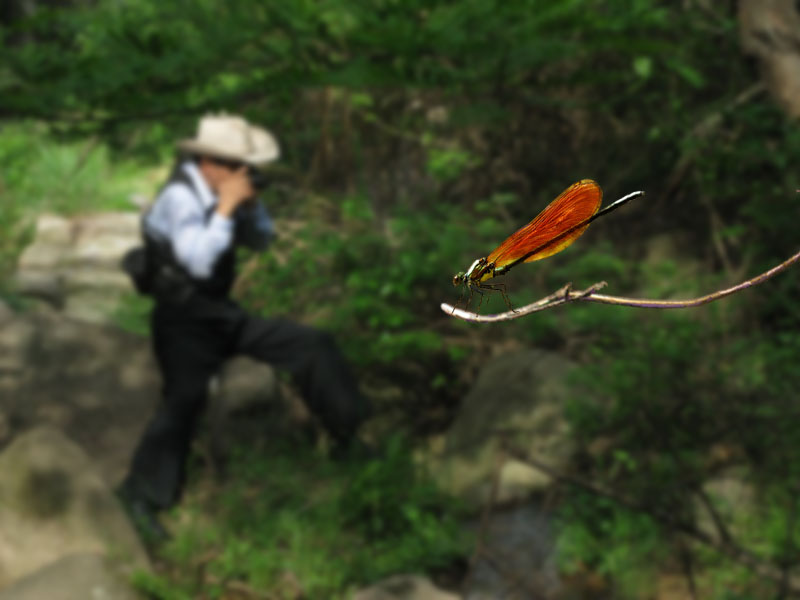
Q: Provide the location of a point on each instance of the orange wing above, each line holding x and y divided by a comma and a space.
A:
553, 229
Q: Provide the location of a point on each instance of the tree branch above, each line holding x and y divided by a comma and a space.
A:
567, 294
753, 563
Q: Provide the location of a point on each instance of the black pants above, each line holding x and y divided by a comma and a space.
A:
191, 341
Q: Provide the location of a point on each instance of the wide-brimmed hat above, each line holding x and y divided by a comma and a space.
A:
232, 138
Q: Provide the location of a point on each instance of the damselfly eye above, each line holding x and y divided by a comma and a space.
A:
458, 278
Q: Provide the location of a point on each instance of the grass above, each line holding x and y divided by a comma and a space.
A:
42, 173
289, 522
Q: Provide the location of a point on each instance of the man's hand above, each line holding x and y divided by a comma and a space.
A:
233, 191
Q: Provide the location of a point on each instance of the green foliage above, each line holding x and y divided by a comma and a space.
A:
659, 397
290, 518
43, 174
448, 163
158, 587
133, 313
390, 496
15, 153
376, 283
14, 235
278, 43
499, 64
66, 177
443, 127
621, 544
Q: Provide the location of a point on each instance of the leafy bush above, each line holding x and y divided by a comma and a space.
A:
133, 313
288, 518
666, 405
622, 545
44, 173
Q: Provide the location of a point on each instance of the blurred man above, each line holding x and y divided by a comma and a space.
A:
204, 211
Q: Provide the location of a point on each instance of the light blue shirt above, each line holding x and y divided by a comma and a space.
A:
179, 214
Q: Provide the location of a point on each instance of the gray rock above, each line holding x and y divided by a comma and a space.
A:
53, 504
103, 250
246, 384
16, 344
5, 429
404, 587
53, 234
248, 403
74, 263
96, 383
518, 397
54, 230
41, 284
100, 386
75, 577
111, 224
6, 312
516, 558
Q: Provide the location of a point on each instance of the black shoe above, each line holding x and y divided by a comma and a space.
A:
144, 516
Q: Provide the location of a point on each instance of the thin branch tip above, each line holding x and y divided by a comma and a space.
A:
566, 294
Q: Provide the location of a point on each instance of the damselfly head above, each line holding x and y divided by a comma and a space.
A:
459, 278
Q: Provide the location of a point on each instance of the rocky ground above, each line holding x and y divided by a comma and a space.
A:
76, 391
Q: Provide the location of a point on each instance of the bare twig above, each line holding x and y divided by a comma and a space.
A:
734, 552
722, 530
567, 294
717, 239
687, 563
562, 296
